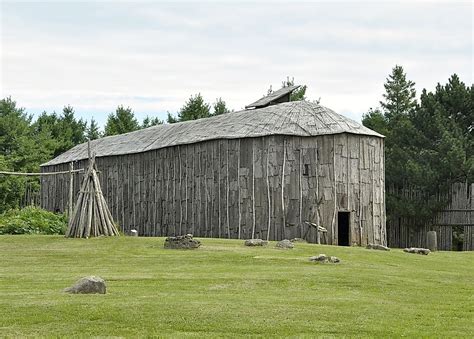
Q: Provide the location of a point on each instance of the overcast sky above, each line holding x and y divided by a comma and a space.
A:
152, 56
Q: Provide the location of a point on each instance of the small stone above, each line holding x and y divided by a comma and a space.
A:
255, 242
377, 247
298, 240
88, 285
323, 258
417, 250
284, 244
319, 258
134, 233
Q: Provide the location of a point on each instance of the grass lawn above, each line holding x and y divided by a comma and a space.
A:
227, 289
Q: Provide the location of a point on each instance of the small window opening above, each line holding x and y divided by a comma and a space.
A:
306, 170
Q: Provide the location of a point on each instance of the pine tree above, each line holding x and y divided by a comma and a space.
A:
93, 131
68, 131
393, 121
444, 122
194, 108
219, 107
400, 94
148, 122
171, 119
122, 121
428, 146
21, 150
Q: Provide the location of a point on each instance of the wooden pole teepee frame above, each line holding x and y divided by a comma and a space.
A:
91, 216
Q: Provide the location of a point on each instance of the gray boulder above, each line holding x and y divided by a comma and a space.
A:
416, 250
284, 244
88, 285
184, 242
255, 242
377, 247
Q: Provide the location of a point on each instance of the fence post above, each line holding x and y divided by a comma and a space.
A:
432, 242
71, 188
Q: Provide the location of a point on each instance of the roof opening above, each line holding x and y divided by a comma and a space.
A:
277, 97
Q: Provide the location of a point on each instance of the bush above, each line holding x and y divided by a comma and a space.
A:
32, 220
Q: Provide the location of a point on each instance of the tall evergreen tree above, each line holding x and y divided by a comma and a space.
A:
148, 122
393, 121
93, 131
171, 119
444, 122
219, 107
21, 150
194, 108
122, 121
69, 131
428, 146
400, 95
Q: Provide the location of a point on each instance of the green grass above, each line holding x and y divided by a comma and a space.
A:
226, 289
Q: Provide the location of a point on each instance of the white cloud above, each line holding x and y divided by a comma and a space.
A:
152, 57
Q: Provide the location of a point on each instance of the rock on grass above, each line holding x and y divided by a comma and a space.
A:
377, 247
416, 250
185, 242
285, 244
323, 258
88, 285
255, 242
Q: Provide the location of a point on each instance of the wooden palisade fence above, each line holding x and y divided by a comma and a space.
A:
406, 232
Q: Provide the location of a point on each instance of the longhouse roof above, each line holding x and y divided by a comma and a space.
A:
272, 97
297, 118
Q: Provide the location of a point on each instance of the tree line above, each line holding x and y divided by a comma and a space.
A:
429, 142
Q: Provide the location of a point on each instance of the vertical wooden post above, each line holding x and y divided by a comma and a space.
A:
71, 188
318, 221
89, 153
228, 190
219, 168
333, 223
239, 195
283, 190
432, 243
268, 192
253, 190
301, 189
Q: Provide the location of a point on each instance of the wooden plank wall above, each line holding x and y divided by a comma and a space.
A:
408, 232
243, 188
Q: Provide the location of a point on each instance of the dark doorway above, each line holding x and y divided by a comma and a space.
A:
458, 238
343, 228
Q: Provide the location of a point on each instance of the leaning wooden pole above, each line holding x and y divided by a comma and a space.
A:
91, 216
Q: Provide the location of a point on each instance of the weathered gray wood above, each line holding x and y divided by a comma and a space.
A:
431, 242
71, 188
405, 232
244, 188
